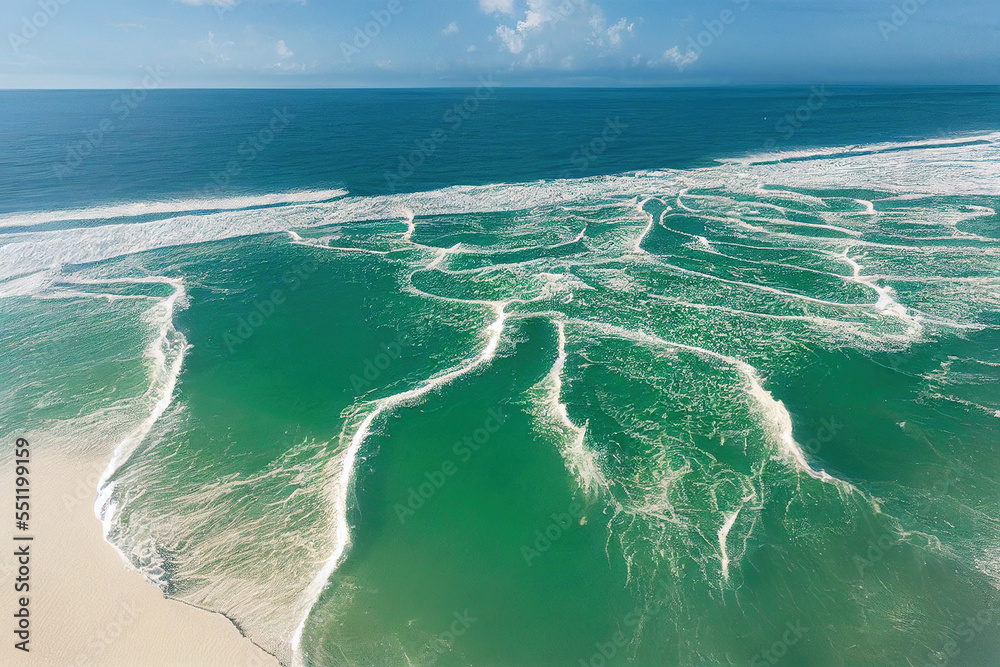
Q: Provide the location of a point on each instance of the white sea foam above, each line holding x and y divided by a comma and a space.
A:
868, 149
581, 461
31, 261
26, 285
340, 490
975, 170
784, 222
936, 168
166, 356
774, 193
775, 416
723, 536
652, 222
819, 322
869, 206
137, 209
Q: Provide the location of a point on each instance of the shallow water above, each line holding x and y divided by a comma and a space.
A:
723, 415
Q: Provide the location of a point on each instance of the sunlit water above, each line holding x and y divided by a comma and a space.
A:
731, 414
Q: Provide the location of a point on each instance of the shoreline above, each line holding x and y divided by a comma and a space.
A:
87, 606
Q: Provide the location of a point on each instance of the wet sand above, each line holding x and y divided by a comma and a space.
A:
86, 606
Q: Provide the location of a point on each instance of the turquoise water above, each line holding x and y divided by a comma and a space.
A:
735, 414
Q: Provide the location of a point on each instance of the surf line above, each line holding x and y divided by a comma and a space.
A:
579, 459
165, 374
169, 208
776, 416
723, 536
342, 534
641, 208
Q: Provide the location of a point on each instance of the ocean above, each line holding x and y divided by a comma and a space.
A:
521, 377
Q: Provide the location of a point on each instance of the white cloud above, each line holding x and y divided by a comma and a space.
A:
286, 67
538, 15
283, 51
502, 6
451, 29
562, 33
681, 60
229, 4
514, 41
615, 32
211, 51
472, 48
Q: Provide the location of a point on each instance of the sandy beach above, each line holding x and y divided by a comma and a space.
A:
86, 606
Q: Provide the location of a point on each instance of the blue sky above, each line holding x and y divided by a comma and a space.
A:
388, 43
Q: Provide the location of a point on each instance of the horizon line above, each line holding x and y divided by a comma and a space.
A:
520, 87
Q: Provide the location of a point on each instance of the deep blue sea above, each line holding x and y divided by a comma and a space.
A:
525, 377
89, 148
